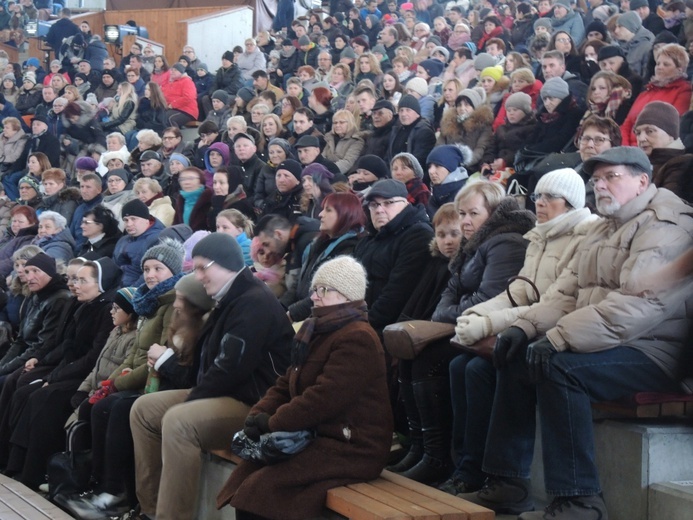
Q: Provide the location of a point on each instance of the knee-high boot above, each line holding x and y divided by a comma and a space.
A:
433, 402
415, 452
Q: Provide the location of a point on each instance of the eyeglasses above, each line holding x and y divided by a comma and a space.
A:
321, 291
373, 205
608, 178
598, 140
169, 137
202, 268
548, 197
562, 40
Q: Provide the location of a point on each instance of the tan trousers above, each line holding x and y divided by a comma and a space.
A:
169, 434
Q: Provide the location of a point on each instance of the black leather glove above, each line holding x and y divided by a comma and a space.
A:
256, 425
538, 356
508, 344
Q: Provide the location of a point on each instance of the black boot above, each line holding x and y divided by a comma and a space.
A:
415, 452
433, 401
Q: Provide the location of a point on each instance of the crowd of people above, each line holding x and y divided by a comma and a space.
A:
517, 171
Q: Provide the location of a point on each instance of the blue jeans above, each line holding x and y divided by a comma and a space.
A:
11, 184
564, 400
472, 384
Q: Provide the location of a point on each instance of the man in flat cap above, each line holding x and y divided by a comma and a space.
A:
595, 336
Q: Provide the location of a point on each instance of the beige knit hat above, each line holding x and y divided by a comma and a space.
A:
345, 275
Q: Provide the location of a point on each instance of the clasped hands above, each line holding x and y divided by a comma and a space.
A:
539, 352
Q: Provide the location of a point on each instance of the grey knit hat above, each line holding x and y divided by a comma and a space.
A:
564, 3
475, 96
345, 274
195, 292
222, 249
555, 88
543, 22
565, 183
483, 60
630, 20
169, 252
519, 100
418, 170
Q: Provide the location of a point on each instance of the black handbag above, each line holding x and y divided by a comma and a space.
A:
70, 471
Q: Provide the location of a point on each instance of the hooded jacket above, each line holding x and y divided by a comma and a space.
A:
129, 251
229, 80
475, 132
572, 24
638, 49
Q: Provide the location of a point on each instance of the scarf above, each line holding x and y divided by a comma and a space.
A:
146, 301
656, 82
190, 198
674, 20
495, 33
457, 40
325, 320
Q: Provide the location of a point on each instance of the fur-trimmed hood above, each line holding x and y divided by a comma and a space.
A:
482, 116
67, 194
507, 218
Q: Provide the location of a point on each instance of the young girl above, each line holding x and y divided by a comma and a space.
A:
233, 222
442, 30
268, 267
9, 88
391, 87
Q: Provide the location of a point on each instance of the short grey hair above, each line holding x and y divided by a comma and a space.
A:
57, 218
117, 135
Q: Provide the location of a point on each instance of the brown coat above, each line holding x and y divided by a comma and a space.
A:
341, 393
475, 132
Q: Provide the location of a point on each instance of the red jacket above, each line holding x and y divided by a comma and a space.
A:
534, 91
677, 93
182, 95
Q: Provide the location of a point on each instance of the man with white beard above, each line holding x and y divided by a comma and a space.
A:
595, 336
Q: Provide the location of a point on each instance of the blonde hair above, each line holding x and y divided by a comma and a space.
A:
375, 65
239, 220
351, 121
146, 182
492, 193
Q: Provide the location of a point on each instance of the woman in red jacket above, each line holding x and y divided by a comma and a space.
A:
669, 84
181, 96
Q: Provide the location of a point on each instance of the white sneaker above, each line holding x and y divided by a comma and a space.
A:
43, 488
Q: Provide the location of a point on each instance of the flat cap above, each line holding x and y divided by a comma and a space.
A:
626, 155
387, 189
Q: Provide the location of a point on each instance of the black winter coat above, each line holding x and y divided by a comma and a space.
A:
378, 141
419, 143
553, 136
433, 281
103, 247
229, 79
394, 258
241, 353
484, 263
508, 139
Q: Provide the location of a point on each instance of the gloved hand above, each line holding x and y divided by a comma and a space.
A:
508, 344
107, 388
538, 355
472, 328
256, 425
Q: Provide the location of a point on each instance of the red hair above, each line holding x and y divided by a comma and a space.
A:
28, 212
350, 214
323, 96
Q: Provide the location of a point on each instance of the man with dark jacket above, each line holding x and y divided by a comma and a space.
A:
237, 358
308, 152
245, 150
90, 187
412, 134
384, 121
63, 28
395, 253
304, 125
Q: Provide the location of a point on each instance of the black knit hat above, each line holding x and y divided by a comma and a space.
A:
409, 101
610, 51
135, 208
295, 168
44, 262
375, 165
222, 249
228, 55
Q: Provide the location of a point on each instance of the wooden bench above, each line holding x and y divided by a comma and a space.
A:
192, 124
648, 405
18, 502
393, 497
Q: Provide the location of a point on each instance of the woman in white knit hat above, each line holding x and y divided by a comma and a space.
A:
336, 387
562, 221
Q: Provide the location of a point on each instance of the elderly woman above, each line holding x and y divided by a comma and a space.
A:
29, 192
562, 222
119, 191
285, 200
100, 228
446, 168
194, 200
669, 84
160, 206
338, 367
12, 143
54, 237
343, 143
278, 151
115, 160
491, 251
57, 196
250, 60
146, 140
406, 169
23, 228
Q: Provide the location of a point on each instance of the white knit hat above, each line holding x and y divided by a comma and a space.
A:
565, 183
418, 85
345, 275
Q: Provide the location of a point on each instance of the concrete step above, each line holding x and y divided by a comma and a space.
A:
671, 500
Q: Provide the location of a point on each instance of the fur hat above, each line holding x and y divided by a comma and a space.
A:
167, 251
630, 20
195, 292
450, 156
409, 101
222, 249
345, 274
417, 85
519, 100
555, 88
565, 183
116, 154
662, 115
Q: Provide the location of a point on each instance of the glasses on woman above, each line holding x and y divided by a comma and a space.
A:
547, 197
598, 140
321, 291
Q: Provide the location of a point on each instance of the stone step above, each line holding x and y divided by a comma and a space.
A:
671, 500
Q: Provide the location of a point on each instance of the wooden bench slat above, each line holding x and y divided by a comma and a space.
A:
356, 506
227, 455
413, 509
445, 511
672, 409
475, 512
642, 411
